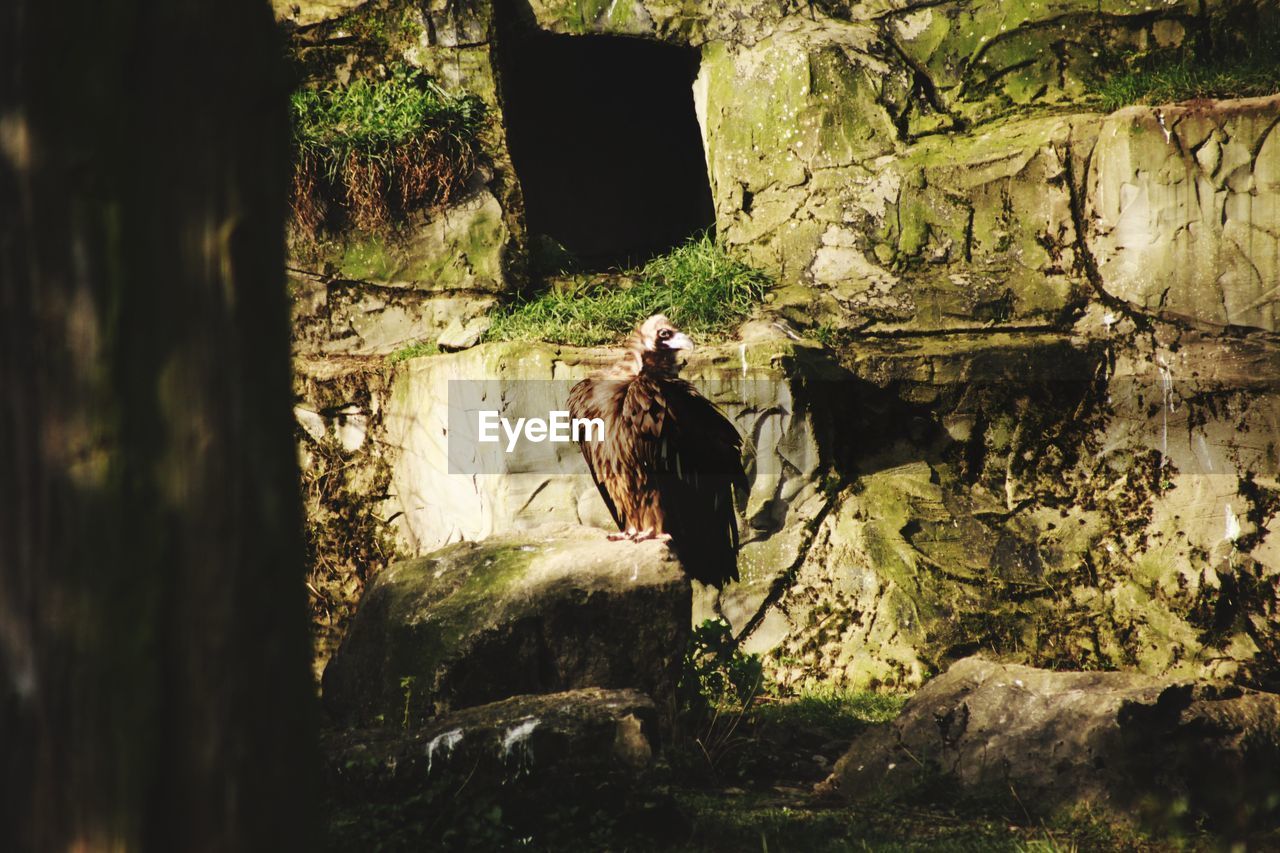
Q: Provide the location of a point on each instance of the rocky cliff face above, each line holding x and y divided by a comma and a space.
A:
1044, 421
374, 292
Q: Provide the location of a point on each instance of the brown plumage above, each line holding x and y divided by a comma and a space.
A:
670, 460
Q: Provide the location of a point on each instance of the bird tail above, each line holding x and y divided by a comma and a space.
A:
712, 566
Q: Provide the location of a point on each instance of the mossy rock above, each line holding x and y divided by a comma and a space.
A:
1128, 747
985, 61
492, 774
551, 609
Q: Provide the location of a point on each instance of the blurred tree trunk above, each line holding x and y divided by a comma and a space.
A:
153, 651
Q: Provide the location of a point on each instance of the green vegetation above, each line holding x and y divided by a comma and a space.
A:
736, 729
842, 712
413, 350
740, 777
718, 685
717, 674
770, 821
698, 286
1252, 69
375, 149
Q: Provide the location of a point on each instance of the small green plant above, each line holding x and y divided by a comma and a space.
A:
826, 334
375, 149
413, 350
716, 671
406, 688
717, 687
702, 290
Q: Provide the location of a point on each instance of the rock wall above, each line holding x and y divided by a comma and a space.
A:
915, 166
362, 293
1059, 498
934, 166
1043, 423
1184, 202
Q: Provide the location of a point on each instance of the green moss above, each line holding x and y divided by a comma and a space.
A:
846, 121
461, 598
913, 218
366, 259
482, 243
461, 251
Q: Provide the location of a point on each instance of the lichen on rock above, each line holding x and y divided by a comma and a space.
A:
556, 608
1132, 748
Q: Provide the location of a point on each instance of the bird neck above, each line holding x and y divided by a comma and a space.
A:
657, 363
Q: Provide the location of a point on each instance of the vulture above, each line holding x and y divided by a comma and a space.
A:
670, 461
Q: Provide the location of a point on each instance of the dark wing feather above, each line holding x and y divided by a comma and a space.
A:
696, 456
586, 400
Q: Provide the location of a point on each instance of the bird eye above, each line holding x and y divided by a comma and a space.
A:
664, 334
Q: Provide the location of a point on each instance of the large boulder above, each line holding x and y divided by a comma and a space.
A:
527, 755
551, 609
1124, 745
590, 731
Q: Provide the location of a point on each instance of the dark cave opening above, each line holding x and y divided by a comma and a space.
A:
605, 142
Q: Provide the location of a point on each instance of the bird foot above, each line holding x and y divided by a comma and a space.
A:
634, 535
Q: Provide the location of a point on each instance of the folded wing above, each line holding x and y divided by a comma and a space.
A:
695, 455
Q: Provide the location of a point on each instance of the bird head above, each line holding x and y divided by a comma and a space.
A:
653, 347
657, 334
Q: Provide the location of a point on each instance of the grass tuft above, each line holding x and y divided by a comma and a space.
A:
375, 149
414, 350
840, 711
1249, 70
704, 292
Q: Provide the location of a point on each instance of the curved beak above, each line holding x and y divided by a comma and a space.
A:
679, 341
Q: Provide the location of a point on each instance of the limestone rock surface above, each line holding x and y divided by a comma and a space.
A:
1184, 205
1123, 745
